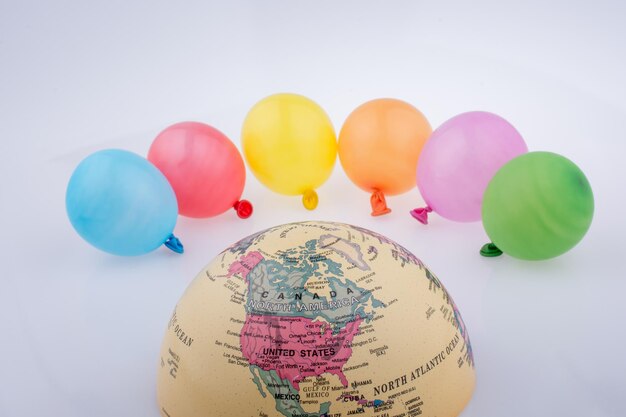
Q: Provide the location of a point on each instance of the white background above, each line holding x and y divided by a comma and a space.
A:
80, 330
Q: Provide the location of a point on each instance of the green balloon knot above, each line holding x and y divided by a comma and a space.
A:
489, 250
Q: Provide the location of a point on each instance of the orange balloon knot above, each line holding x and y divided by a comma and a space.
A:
421, 214
379, 204
243, 208
310, 199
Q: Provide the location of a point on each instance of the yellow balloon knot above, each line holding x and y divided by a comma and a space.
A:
310, 199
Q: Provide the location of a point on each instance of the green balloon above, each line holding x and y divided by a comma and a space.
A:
537, 206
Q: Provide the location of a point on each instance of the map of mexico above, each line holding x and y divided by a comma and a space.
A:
316, 319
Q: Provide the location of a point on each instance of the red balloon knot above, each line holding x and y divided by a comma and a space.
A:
244, 209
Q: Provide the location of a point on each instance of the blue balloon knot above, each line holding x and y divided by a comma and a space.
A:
173, 243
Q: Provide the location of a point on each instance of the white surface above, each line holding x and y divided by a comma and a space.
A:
81, 330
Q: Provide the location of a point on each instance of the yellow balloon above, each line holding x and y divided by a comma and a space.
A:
290, 145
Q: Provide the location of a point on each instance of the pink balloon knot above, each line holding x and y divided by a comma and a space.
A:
379, 204
244, 209
421, 214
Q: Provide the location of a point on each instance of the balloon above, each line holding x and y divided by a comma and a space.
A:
379, 145
204, 168
122, 204
459, 159
537, 206
290, 145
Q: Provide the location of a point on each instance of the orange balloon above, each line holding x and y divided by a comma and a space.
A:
379, 145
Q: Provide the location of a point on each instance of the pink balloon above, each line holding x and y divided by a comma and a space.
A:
458, 161
204, 168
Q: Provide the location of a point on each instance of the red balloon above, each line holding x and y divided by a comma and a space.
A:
204, 168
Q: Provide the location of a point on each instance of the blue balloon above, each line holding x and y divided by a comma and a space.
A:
122, 204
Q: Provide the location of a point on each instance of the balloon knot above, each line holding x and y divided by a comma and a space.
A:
489, 250
379, 204
421, 214
174, 244
243, 208
310, 199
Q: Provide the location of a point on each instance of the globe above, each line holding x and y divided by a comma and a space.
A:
315, 319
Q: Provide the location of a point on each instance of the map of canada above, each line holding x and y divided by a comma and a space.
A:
326, 320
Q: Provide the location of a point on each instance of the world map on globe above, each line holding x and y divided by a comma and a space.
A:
315, 319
